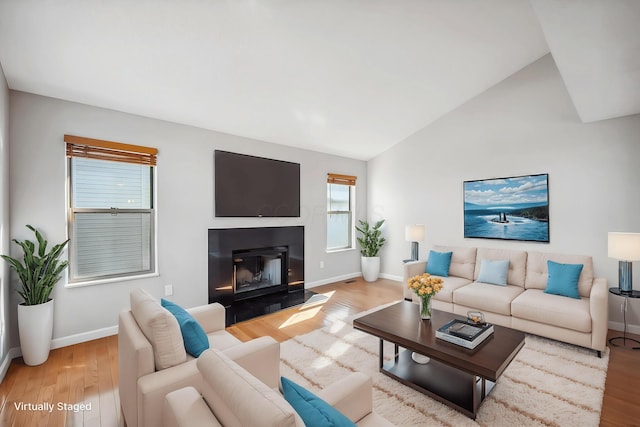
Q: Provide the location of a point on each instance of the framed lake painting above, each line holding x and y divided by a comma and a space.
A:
515, 208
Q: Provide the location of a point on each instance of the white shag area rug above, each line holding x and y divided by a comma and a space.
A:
548, 383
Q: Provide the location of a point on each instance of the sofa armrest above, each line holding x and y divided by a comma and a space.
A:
412, 268
135, 359
211, 316
153, 388
260, 357
599, 308
351, 395
186, 408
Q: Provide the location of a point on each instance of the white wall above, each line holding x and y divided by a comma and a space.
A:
184, 203
524, 125
4, 217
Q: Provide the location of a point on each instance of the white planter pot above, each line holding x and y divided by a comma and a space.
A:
370, 268
35, 326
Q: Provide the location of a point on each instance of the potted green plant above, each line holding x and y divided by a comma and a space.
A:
371, 242
38, 272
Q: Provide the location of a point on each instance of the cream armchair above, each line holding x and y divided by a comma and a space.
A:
232, 397
152, 361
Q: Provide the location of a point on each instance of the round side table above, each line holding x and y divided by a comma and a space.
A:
626, 295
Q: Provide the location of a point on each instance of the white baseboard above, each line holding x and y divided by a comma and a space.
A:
347, 277
83, 337
617, 326
4, 367
391, 277
334, 279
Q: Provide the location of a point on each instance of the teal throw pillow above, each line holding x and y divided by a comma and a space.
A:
494, 272
438, 263
194, 337
314, 411
563, 279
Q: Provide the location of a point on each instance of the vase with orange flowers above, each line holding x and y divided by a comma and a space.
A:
425, 287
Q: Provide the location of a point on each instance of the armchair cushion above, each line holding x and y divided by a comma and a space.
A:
194, 337
313, 410
160, 328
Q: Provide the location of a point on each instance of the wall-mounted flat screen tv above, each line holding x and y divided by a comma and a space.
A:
249, 186
515, 208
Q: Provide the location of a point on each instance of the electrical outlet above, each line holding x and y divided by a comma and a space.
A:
622, 308
168, 290
321, 264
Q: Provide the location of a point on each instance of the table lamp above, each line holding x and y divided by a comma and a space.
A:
625, 247
414, 233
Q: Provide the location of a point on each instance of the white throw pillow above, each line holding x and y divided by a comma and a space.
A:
161, 329
494, 272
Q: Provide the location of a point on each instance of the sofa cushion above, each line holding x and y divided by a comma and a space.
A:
568, 313
438, 263
194, 337
159, 327
484, 297
237, 398
313, 410
563, 279
494, 272
517, 263
537, 272
449, 284
463, 260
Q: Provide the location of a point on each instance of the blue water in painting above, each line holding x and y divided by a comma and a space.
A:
479, 224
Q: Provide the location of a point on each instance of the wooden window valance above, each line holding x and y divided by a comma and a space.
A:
334, 178
78, 146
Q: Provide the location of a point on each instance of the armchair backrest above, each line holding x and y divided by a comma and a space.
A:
238, 399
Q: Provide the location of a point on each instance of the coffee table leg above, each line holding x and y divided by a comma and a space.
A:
476, 403
396, 348
381, 353
484, 390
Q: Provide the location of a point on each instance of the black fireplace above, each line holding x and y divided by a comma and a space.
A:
259, 271
256, 269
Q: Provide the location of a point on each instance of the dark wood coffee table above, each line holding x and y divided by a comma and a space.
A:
455, 376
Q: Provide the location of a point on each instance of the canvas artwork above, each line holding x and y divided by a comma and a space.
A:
515, 208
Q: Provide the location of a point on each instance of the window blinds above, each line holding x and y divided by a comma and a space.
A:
78, 146
334, 178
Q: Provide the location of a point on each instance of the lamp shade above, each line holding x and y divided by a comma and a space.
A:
624, 246
414, 233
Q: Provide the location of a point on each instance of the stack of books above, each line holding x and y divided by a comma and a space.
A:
464, 334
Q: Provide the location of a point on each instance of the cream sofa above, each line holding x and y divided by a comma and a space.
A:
152, 360
522, 304
233, 397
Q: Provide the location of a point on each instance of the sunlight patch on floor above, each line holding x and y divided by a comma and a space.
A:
338, 348
337, 326
317, 299
309, 309
300, 317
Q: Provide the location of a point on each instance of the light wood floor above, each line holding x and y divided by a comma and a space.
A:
87, 372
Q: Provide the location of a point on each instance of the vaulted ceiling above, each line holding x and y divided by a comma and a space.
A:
347, 77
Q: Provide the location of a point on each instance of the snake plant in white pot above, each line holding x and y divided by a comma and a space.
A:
38, 272
371, 242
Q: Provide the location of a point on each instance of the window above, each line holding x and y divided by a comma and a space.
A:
111, 209
340, 211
